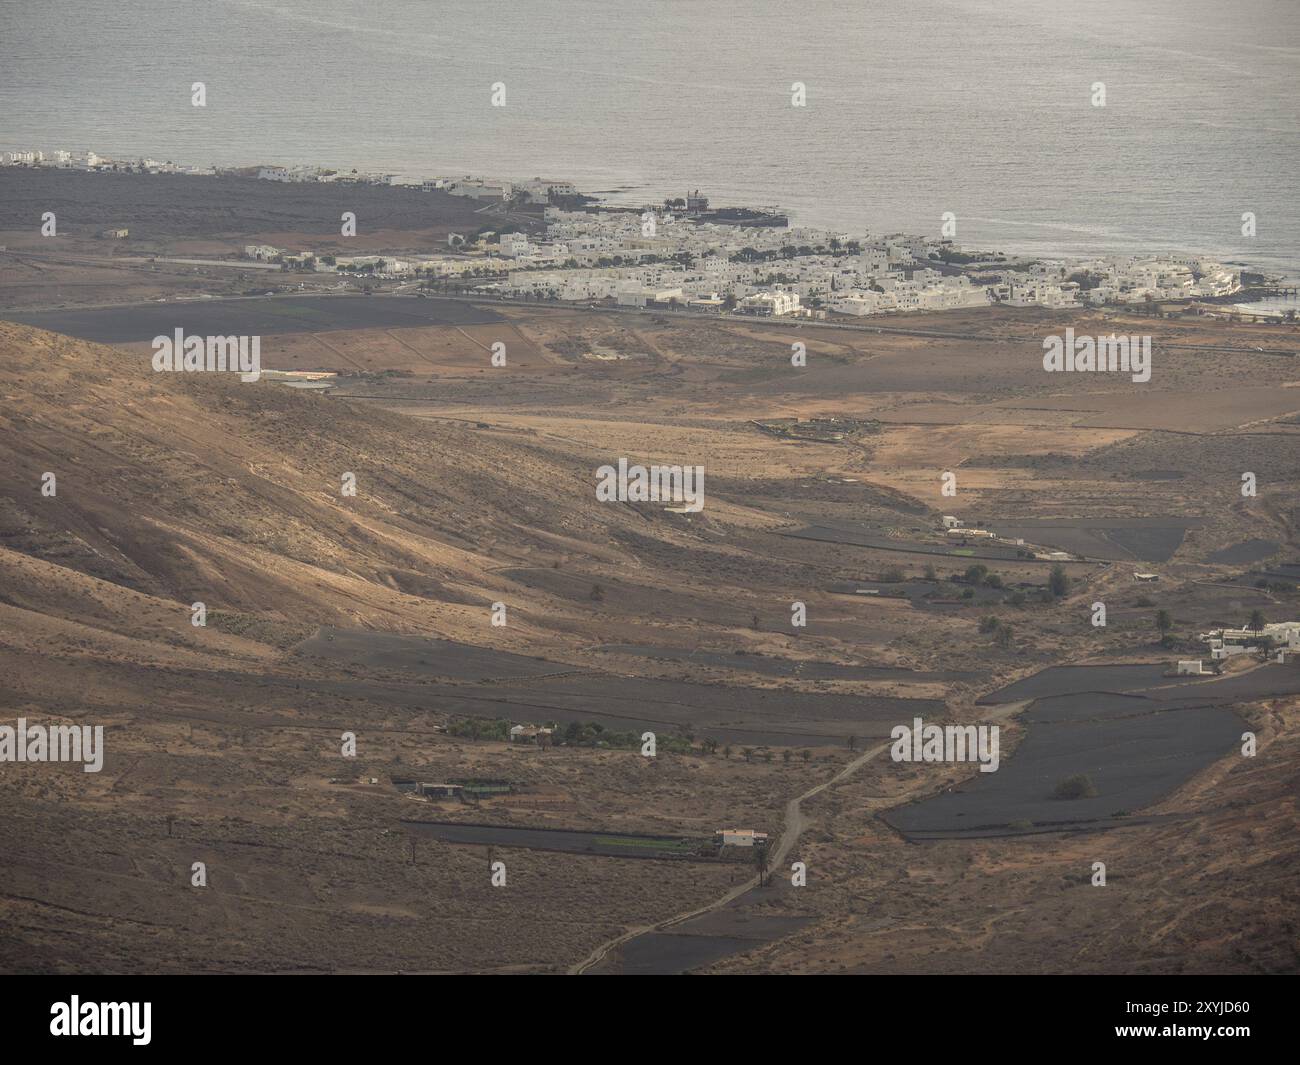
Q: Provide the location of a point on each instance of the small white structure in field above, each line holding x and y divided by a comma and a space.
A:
740, 837
1192, 667
949, 522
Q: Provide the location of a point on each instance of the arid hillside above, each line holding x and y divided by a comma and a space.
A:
130, 497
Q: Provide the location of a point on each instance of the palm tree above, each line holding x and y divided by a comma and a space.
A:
1057, 581
1257, 621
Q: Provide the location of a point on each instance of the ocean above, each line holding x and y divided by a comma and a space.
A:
982, 108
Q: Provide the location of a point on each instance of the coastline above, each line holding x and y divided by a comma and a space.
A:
627, 197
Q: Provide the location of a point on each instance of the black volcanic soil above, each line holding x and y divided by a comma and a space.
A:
252, 317
157, 207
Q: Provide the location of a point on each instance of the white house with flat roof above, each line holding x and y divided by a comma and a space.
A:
740, 837
773, 303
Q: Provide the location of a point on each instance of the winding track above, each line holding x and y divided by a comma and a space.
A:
795, 823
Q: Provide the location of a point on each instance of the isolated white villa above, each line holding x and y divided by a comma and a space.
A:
1280, 636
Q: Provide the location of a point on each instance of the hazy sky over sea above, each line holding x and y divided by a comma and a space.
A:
980, 107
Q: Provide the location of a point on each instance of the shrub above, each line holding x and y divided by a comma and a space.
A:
1079, 786
1057, 581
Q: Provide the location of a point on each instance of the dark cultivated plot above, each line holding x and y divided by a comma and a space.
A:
1264, 683
555, 692
1082, 706
1135, 748
571, 841
422, 655
635, 601
162, 206
838, 534
782, 667
928, 593
253, 316
670, 953
1245, 552
1132, 762
1117, 539
1151, 681
1063, 680
743, 924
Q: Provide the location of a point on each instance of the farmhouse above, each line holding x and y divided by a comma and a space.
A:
739, 837
1281, 636
439, 791
531, 734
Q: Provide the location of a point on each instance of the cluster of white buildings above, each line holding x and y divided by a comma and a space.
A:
89, 160
536, 190
664, 258
1138, 279
380, 266
308, 175
1279, 638
590, 256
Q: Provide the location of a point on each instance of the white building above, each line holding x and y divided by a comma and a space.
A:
773, 303
857, 302
740, 837
633, 294
543, 190
481, 189
1280, 636
513, 244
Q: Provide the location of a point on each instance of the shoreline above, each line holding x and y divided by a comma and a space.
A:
608, 200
